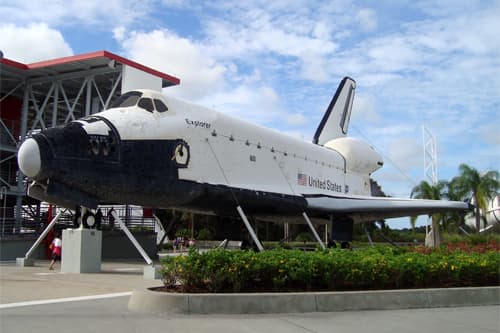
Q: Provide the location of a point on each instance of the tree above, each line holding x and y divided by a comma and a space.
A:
457, 219
424, 190
482, 188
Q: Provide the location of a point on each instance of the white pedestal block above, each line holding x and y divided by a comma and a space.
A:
81, 251
152, 272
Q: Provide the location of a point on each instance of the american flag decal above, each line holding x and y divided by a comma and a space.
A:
302, 179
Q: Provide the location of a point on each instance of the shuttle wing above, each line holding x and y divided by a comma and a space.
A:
335, 122
362, 209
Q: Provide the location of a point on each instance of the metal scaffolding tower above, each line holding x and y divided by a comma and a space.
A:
430, 175
430, 156
53, 93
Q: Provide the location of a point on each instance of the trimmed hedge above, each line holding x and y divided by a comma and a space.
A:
293, 270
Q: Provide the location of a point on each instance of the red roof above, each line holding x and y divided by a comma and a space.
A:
13, 63
87, 59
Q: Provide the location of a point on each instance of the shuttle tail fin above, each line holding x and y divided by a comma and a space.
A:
335, 122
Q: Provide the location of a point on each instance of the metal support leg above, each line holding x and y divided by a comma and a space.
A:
368, 236
249, 228
132, 239
464, 231
42, 236
309, 223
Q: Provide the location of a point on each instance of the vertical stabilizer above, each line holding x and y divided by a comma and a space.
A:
335, 122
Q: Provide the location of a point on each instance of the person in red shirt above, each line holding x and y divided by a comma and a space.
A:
56, 247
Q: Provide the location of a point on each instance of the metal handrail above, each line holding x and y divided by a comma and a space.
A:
32, 225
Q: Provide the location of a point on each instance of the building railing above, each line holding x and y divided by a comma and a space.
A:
132, 216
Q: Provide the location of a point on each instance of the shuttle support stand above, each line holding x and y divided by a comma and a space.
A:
150, 271
81, 251
132, 239
249, 228
313, 230
26, 261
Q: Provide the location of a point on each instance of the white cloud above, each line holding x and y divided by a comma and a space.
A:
176, 3
209, 80
407, 152
263, 35
200, 74
119, 33
296, 119
313, 67
257, 104
256, 34
98, 13
489, 133
367, 19
322, 30
364, 109
445, 8
393, 53
35, 42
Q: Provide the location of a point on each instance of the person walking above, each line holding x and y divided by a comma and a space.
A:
56, 247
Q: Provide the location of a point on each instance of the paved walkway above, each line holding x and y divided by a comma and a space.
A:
18, 284
34, 299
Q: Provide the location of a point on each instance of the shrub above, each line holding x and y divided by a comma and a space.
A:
167, 246
204, 234
473, 239
186, 233
303, 237
294, 270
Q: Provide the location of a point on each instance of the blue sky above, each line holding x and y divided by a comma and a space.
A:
278, 63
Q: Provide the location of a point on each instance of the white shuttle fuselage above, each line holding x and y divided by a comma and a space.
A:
222, 150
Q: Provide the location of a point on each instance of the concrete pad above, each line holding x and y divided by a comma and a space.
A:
33, 283
24, 262
152, 272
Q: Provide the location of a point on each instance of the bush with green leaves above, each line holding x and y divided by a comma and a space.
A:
303, 237
292, 270
204, 234
186, 233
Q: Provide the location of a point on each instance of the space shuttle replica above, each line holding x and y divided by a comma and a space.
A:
156, 151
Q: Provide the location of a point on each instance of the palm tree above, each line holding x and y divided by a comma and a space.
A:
454, 218
482, 188
424, 190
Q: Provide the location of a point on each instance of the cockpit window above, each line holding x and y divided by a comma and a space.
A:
133, 98
146, 103
127, 99
160, 106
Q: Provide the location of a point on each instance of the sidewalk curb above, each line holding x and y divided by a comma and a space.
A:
149, 301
